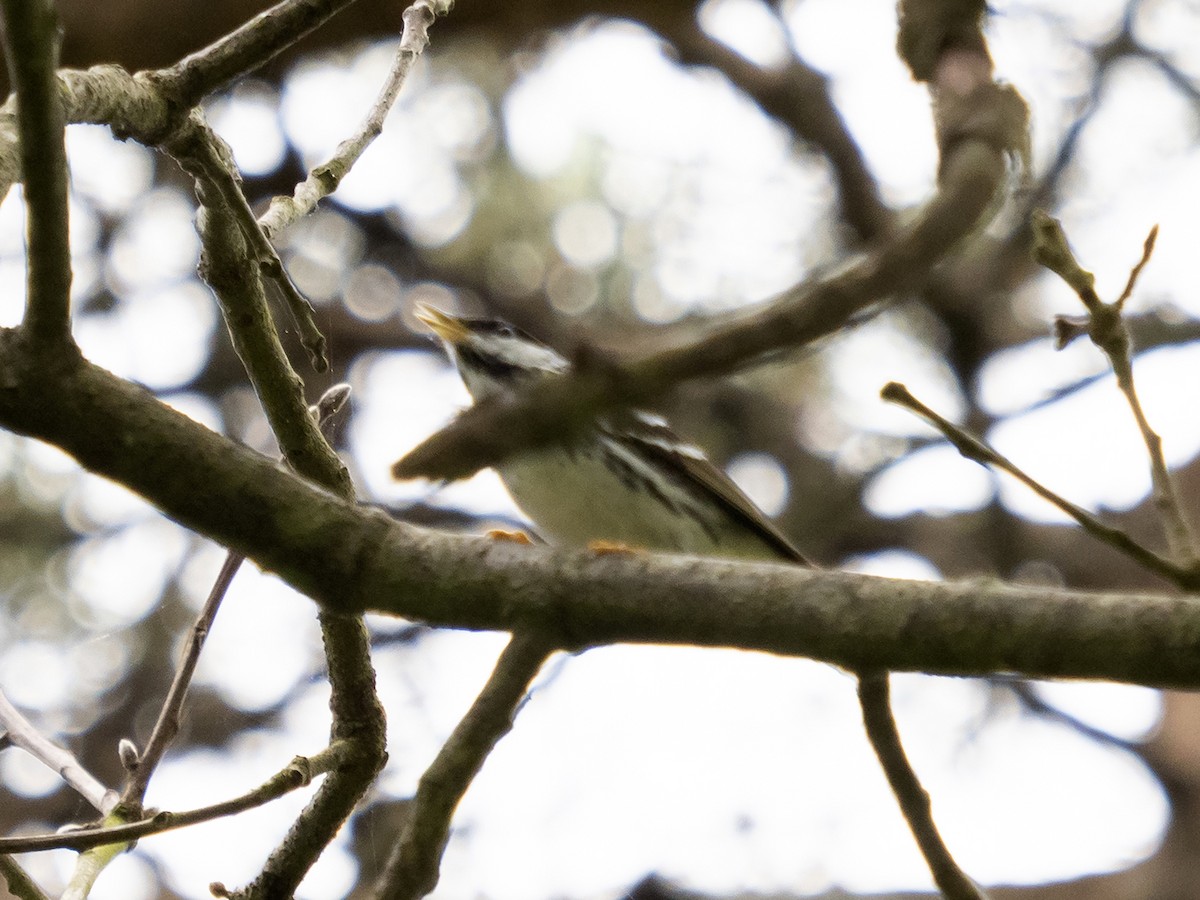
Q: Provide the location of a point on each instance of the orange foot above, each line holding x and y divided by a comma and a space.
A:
605, 547
515, 537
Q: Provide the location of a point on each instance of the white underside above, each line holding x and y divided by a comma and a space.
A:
576, 500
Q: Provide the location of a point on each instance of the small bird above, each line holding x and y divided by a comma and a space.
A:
629, 481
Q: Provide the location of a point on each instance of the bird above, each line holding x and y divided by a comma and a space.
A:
626, 481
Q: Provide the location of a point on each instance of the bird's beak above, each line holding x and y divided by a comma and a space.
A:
444, 325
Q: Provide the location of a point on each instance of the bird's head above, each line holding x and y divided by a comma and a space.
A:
492, 356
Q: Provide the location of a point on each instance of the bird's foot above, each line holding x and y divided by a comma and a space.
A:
611, 547
513, 537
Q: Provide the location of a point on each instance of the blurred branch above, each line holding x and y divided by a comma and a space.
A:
324, 179
148, 106
797, 95
980, 125
20, 732
412, 870
1032, 702
31, 43
297, 774
874, 698
975, 450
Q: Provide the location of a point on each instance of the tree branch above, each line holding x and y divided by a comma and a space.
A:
412, 870
352, 559
18, 881
230, 266
874, 697
20, 732
980, 123
31, 45
324, 179
244, 50
298, 773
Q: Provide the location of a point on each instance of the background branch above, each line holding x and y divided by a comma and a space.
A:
324, 179
984, 124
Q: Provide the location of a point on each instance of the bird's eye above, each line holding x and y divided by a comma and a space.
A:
506, 331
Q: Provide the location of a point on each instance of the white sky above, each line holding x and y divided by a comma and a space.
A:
721, 769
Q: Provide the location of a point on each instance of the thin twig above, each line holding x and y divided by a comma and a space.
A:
974, 449
1166, 495
324, 179
1035, 704
874, 699
18, 880
207, 156
32, 40
412, 871
1105, 326
230, 264
170, 716
20, 732
298, 773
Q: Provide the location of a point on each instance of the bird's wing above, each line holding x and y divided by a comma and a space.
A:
650, 436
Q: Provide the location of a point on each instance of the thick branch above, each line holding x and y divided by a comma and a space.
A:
352, 559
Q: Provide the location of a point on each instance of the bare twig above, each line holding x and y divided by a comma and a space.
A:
324, 179
32, 42
207, 157
171, 714
873, 697
20, 732
1032, 702
412, 871
143, 764
974, 449
298, 773
19, 883
1105, 326
230, 264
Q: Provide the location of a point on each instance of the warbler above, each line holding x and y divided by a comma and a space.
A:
626, 481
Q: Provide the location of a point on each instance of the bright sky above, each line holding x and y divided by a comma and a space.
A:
721, 769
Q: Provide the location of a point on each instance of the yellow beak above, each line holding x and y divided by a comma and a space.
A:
447, 327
